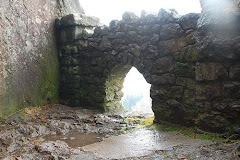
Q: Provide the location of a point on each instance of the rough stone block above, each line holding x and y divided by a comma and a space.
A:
171, 111
129, 17
69, 61
184, 69
172, 45
165, 15
70, 70
220, 46
163, 65
167, 78
189, 97
231, 89
79, 19
234, 72
222, 15
208, 91
176, 92
159, 92
189, 21
71, 34
171, 30
186, 82
104, 44
230, 107
188, 54
213, 123
210, 71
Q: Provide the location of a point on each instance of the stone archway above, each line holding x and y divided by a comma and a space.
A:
187, 79
158, 46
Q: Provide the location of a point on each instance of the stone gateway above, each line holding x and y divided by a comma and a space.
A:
192, 65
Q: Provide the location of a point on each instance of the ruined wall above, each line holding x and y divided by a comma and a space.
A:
29, 67
192, 65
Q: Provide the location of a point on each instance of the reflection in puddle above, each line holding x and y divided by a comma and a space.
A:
76, 139
139, 143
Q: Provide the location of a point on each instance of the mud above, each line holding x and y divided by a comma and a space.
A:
60, 132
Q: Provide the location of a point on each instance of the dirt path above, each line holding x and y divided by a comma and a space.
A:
59, 132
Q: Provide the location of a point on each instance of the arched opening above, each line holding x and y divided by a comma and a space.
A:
136, 93
127, 90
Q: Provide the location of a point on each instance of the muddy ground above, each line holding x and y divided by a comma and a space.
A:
59, 132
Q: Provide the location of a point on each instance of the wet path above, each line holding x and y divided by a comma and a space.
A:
140, 143
60, 132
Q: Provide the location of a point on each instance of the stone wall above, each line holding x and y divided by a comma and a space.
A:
192, 65
29, 65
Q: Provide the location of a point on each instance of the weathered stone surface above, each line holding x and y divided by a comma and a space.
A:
129, 17
176, 92
79, 19
231, 108
234, 72
184, 69
72, 34
210, 71
189, 21
231, 89
220, 46
160, 92
172, 111
208, 91
172, 45
188, 54
104, 44
29, 64
163, 65
171, 30
69, 6
186, 82
167, 15
224, 14
189, 97
164, 79
213, 123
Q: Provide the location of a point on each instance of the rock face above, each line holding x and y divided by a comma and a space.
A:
29, 65
194, 71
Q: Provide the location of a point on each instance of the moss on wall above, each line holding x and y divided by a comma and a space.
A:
28, 50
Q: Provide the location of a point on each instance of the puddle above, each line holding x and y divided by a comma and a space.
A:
76, 139
139, 143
